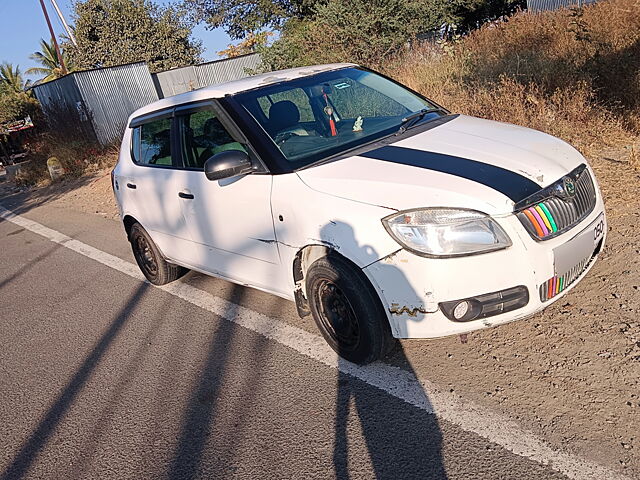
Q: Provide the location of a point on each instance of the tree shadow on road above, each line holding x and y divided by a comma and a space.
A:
205, 421
402, 441
38, 439
200, 412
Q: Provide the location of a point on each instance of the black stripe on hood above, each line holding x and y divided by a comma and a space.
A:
511, 184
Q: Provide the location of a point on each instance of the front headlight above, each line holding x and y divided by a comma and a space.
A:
446, 232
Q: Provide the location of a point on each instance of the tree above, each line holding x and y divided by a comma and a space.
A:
466, 15
16, 106
252, 43
11, 80
15, 103
312, 31
114, 32
242, 17
361, 31
48, 58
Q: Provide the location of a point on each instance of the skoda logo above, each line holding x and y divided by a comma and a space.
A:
569, 186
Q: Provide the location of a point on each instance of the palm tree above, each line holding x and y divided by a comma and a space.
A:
48, 58
11, 79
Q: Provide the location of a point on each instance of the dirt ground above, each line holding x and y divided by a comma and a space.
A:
570, 374
91, 193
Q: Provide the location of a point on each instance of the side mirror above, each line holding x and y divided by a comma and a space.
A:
227, 164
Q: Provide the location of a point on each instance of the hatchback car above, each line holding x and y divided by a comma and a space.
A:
376, 210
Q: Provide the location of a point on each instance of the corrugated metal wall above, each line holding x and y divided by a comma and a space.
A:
62, 92
180, 80
102, 99
540, 5
112, 94
173, 82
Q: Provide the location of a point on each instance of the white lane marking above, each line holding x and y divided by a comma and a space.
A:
397, 382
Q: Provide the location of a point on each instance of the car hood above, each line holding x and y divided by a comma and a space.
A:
466, 162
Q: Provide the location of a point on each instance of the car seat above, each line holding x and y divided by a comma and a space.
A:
284, 117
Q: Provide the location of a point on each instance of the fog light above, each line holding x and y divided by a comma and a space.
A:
461, 309
486, 305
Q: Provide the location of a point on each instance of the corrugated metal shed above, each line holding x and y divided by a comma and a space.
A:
104, 98
180, 80
101, 100
112, 94
63, 106
541, 5
63, 91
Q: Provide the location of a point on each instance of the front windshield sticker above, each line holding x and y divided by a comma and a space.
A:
341, 85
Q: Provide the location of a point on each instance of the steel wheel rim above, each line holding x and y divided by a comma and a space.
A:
145, 255
337, 315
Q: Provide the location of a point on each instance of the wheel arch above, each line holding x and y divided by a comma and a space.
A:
128, 221
304, 258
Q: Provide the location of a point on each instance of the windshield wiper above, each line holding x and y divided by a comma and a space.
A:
413, 118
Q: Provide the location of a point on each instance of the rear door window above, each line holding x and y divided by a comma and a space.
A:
151, 143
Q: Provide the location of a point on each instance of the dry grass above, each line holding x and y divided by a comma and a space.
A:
71, 140
572, 73
77, 158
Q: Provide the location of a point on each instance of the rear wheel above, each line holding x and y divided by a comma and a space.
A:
153, 265
347, 311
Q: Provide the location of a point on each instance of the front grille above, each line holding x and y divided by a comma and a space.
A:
558, 207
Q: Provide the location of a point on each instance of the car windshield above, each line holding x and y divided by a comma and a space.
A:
315, 117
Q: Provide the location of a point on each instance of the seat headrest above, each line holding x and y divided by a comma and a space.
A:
214, 129
283, 114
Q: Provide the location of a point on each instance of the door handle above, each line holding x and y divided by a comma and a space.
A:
132, 186
188, 196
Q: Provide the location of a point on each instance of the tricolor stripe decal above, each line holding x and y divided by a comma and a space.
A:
507, 182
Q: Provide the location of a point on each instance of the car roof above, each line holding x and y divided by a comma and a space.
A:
236, 86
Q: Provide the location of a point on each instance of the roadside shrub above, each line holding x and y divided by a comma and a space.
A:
69, 137
574, 73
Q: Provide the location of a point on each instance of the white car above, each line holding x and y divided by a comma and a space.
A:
374, 209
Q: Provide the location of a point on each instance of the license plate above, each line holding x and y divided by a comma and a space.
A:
569, 254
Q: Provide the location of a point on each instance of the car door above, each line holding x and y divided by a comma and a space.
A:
229, 220
151, 183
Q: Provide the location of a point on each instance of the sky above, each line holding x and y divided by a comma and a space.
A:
22, 25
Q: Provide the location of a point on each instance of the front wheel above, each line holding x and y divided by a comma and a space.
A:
347, 311
148, 257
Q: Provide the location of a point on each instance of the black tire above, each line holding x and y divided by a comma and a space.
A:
348, 311
151, 262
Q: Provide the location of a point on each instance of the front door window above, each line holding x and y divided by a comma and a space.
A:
203, 136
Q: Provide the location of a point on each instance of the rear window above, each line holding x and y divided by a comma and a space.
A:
151, 143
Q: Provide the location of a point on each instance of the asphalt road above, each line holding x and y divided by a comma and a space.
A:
105, 376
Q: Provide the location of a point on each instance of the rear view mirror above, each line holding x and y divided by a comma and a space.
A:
227, 164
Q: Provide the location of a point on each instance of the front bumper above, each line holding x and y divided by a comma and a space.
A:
411, 287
